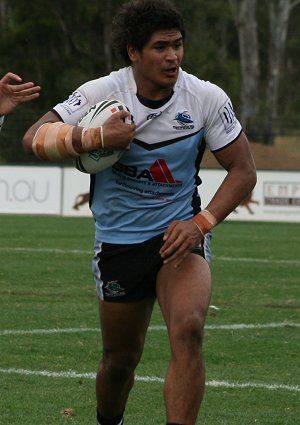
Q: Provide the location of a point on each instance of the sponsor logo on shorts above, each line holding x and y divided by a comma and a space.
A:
113, 289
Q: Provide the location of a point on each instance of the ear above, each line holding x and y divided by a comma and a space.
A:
132, 53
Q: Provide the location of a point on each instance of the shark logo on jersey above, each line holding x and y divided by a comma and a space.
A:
184, 120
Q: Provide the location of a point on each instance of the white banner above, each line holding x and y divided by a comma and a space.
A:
276, 196
30, 190
54, 190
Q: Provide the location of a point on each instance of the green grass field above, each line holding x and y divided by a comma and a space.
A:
50, 343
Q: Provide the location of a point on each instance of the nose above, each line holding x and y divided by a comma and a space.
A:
171, 54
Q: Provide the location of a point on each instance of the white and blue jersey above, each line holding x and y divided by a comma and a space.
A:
156, 181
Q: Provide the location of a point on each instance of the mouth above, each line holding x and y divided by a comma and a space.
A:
171, 71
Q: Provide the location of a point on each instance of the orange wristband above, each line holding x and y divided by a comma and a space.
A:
205, 221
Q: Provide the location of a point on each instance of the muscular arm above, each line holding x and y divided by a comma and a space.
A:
117, 134
182, 237
237, 160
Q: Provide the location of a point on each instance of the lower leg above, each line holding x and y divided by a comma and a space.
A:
183, 400
112, 392
184, 295
123, 327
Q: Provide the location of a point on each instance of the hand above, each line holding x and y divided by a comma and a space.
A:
180, 239
116, 133
13, 94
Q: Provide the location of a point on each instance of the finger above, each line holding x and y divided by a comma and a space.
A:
10, 76
171, 246
170, 230
25, 89
177, 258
165, 249
121, 115
30, 97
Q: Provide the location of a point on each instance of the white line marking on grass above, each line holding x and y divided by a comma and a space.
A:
48, 374
90, 252
241, 326
227, 384
47, 250
236, 326
46, 331
214, 383
256, 260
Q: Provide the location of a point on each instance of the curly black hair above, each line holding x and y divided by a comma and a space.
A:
137, 20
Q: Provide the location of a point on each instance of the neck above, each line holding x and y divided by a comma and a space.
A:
151, 91
154, 104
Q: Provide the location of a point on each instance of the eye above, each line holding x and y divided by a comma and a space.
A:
178, 45
159, 46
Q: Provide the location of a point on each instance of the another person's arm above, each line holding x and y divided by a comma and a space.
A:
12, 95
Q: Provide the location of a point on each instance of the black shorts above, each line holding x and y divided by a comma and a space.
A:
126, 273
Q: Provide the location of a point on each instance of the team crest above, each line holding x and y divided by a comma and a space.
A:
113, 289
184, 121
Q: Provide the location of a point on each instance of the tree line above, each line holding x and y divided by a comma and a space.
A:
250, 48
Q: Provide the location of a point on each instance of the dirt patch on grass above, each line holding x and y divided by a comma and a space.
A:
284, 155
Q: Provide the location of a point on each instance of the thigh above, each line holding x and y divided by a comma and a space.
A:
124, 326
184, 292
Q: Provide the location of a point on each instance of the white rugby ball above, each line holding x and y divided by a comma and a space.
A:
98, 160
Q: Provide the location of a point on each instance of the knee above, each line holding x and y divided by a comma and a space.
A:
119, 366
188, 333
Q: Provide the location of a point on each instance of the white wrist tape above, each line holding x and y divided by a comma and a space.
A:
92, 138
53, 141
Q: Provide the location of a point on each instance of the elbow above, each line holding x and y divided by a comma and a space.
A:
27, 143
251, 177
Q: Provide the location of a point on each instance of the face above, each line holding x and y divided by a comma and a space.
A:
156, 67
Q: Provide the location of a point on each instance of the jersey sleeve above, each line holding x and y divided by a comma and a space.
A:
73, 108
81, 100
221, 125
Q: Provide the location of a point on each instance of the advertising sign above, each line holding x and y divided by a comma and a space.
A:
30, 190
276, 196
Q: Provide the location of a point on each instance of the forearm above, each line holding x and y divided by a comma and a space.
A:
58, 141
233, 190
51, 139
237, 160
